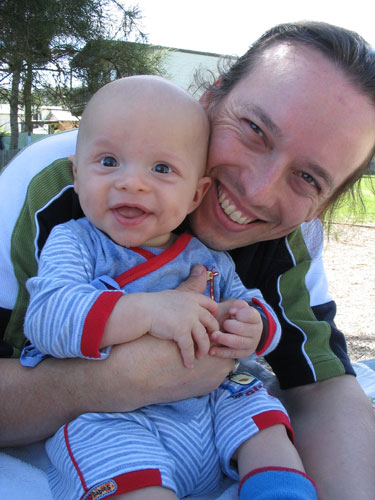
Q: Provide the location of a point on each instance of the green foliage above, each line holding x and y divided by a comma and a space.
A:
359, 206
102, 61
44, 35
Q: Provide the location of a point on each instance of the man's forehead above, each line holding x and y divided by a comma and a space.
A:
296, 92
286, 59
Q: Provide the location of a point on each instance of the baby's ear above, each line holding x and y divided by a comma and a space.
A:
73, 159
203, 185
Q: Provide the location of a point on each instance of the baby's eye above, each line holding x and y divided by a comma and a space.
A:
109, 161
161, 168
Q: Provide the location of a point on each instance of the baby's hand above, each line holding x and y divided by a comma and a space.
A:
185, 317
242, 331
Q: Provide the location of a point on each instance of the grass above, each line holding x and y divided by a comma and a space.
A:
355, 213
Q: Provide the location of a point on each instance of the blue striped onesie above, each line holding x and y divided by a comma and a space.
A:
184, 446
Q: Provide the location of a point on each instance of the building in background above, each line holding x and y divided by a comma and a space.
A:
179, 65
46, 120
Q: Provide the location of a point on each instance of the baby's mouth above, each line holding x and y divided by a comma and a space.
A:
130, 212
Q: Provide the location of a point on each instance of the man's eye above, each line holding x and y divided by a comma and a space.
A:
161, 168
256, 129
308, 178
109, 161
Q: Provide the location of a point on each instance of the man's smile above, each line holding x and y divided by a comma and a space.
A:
230, 208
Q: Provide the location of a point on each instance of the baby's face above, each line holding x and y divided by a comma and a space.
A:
139, 165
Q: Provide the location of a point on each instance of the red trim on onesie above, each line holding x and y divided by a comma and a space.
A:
138, 479
95, 322
75, 464
267, 469
142, 251
271, 326
156, 262
271, 418
125, 483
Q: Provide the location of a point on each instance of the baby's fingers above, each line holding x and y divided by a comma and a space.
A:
252, 330
227, 353
232, 346
208, 321
186, 346
245, 314
201, 339
236, 342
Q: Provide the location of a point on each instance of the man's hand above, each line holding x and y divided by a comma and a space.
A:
144, 371
196, 282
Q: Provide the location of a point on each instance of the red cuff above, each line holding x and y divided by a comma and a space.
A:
270, 418
269, 328
125, 483
96, 320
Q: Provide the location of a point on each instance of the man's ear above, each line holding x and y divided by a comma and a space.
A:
203, 185
205, 100
318, 212
206, 97
73, 159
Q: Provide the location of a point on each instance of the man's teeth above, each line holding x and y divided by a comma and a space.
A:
231, 210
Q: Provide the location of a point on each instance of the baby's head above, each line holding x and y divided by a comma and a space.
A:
140, 159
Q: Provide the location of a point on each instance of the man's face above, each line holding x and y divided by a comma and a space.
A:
284, 139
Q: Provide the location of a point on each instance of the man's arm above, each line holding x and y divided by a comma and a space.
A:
334, 426
37, 401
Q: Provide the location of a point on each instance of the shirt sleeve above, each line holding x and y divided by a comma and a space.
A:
67, 315
38, 196
311, 348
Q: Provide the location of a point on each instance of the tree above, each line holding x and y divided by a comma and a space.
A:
102, 61
43, 35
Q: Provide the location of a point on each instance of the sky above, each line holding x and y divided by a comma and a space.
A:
230, 26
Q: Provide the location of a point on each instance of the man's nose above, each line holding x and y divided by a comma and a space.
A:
264, 183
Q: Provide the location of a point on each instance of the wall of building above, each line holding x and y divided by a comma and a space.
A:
181, 65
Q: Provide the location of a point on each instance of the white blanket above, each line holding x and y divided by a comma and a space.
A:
23, 470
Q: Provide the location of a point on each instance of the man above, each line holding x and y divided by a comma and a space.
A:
292, 128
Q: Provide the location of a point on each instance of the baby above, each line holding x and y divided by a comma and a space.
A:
110, 278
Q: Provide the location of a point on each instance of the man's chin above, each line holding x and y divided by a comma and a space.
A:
212, 235
222, 241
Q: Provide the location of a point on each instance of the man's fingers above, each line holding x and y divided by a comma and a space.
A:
196, 282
